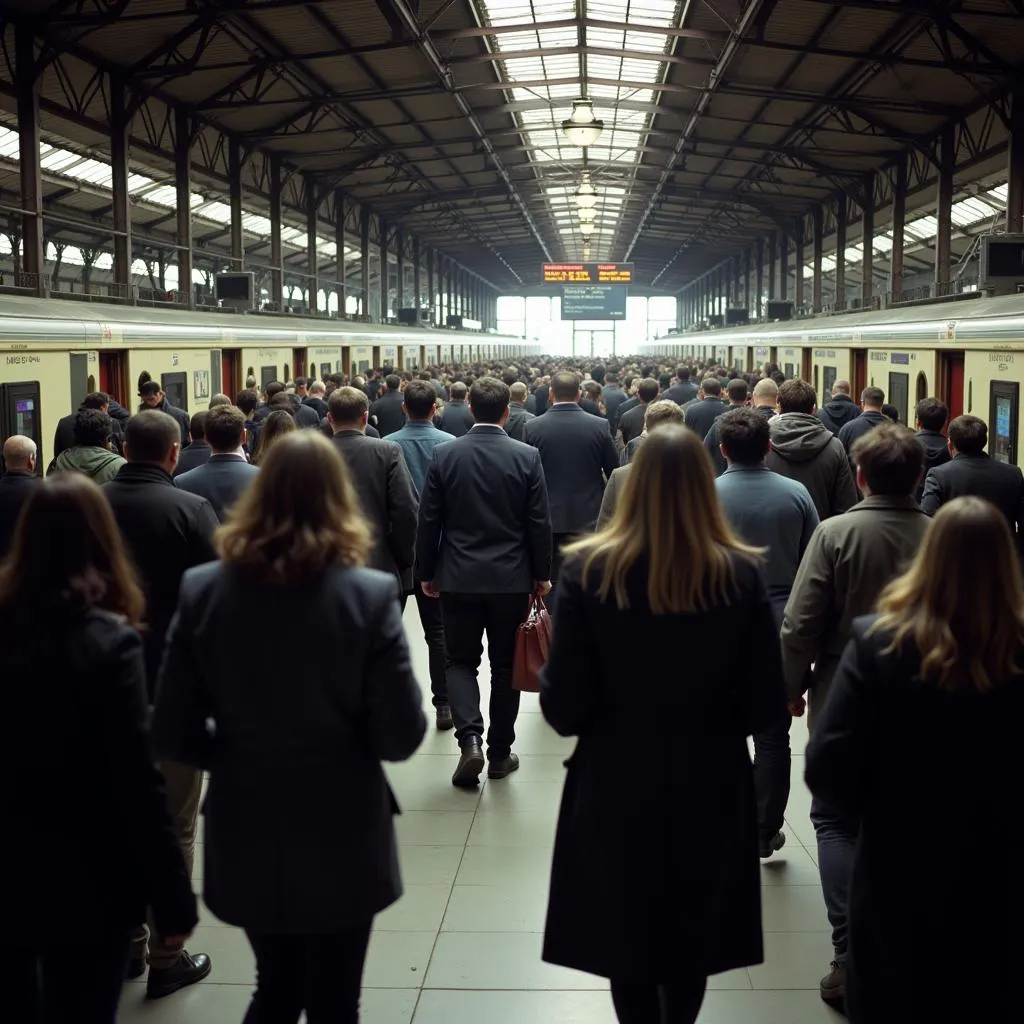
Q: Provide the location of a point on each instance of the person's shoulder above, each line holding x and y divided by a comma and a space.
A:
371, 585
200, 580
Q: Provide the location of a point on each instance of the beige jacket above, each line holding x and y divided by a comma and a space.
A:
850, 559
611, 495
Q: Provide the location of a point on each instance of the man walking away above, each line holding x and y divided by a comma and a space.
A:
737, 391
840, 409
871, 402
199, 451
931, 416
16, 485
387, 410
457, 419
684, 390
849, 561
483, 546
771, 512
518, 417
614, 396
708, 407
631, 420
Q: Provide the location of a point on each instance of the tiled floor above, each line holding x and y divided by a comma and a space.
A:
464, 942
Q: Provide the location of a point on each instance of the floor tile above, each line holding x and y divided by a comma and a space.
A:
205, 1003
760, 1007
421, 908
398, 959
429, 865
793, 960
792, 865
496, 908
433, 828
550, 1007
424, 783
793, 908
495, 864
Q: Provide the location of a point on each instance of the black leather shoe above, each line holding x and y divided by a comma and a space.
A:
444, 718
471, 764
505, 767
187, 971
136, 968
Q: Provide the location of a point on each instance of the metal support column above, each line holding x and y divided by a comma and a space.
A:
817, 244
747, 267
27, 85
783, 265
276, 259
417, 276
312, 255
867, 241
944, 211
183, 193
899, 219
759, 280
121, 208
798, 257
842, 212
399, 269
340, 212
385, 272
432, 286
773, 262
1015, 170
235, 199
364, 256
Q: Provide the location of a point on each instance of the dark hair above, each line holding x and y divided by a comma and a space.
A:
891, 411
393, 381
150, 387
872, 396
67, 555
282, 401
664, 379
510, 376
565, 386
276, 425
931, 413
224, 427
248, 401
737, 390
150, 435
420, 399
647, 390
275, 387
488, 399
969, 434
683, 372
94, 427
300, 382
711, 386
891, 459
197, 425
459, 390
95, 400
347, 405
797, 396
598, 372
745, 436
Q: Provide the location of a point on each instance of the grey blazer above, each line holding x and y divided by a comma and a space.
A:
221, 481
611, 495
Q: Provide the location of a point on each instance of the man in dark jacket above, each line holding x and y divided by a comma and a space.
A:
631, 419
316, 400
381, 478
483, 556
387, 411
871, 401
971, 472
683, 390
457, 418
737, 391
199, 451
931, 416
65, 434
167, 531
153, 398
708, 407
837, 412
518, 417
16, 485
614, 397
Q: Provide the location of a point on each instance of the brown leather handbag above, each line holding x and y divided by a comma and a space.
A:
533, 641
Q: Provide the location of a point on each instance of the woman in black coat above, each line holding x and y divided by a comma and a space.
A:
920, 742
89, 842
300, 843
662, 756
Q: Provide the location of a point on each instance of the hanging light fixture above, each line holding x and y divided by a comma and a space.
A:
582, 128
586, 253
586, 194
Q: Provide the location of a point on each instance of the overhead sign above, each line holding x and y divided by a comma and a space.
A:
588, 273
594, 302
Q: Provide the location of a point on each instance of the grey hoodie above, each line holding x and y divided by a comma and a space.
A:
804, 449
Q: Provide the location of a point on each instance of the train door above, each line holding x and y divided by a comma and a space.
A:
808, 361
79, 365
1003, 417
899, 392
231, 372
21, 413
268, 374
114, 376
175, 387
951, 382
860, 372
299, 362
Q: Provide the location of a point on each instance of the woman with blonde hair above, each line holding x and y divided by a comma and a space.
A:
638, 895
300, 846
278, 424
919, 743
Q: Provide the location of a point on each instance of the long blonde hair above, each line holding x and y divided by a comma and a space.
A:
300, 516
967, 625
668, 514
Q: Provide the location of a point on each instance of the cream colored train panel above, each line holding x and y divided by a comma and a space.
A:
992, 382
52, 370
267, 364
324, 359
906, 376
827, 366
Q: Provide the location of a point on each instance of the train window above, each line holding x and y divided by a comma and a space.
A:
922, 387
250, 372
325, 369
899, 393
788, 370
267, 374
1004, 408
816, 379
829, 374
175, 387
285, 374
91, 383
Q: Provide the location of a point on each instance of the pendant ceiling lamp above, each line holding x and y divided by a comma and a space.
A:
582, 128
586, 194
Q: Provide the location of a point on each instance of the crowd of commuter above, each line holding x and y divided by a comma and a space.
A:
737, 556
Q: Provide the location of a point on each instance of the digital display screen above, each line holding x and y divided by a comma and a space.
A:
1006, 259
587, 273
594, 302
234, 286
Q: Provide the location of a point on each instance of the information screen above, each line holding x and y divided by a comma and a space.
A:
1006, 259
587, 273
594, 302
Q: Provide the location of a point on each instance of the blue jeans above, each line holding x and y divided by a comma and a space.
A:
837, 840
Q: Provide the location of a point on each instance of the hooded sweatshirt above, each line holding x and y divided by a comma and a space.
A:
805, 450
835, 414
99, 464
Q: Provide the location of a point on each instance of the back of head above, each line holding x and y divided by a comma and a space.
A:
745, 436
225, 425
682, 373
664, 380
711, 386
275, 387
890, 458
565, 386
737, 391
968, 434
891, 411
300, 382
518, 392
317, 388
93, 428
592, 389
841, 387
300, 517
283, 402
248, 401
931, 414
968, 627
347, 405
420, 399
510, 376
219, 399
150, 437
96, 400
648, 390
67, 555
19, 453
459, 391
657, 414
197, 426
797, 396
872, 398
277, 425
671, 481
393, 382
612, 380
488, 399
766, 392
250, 383
598, 373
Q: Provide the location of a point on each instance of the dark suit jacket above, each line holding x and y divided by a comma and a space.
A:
702, 414
631, 420
859, 426
106, 858
221, 481
388, 497
936, 453
614, 397
540, 399
196, 454
167, 531
515, 425
64, 437
15, 490
306, 416
388, 412
318, 405
484, 523
310, 744
456, 419
578, 456
681, 392
980, 476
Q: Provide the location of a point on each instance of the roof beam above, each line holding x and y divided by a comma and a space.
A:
499, 56
483, 31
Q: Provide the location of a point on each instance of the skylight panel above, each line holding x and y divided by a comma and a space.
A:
94, 172
10, 143
59, 160
1000, 192
922, 228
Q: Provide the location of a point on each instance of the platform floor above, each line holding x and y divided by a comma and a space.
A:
463, 944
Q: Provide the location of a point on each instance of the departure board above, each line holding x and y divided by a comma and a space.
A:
587, 273
594, 301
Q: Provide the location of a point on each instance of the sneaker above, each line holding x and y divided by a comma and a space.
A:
833, 985
443, 716
766, 847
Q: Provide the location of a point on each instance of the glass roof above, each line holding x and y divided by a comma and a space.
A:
557, 79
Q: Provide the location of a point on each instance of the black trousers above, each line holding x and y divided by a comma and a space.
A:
432, 621
62, 983
321, 974
772, 776
558, 541
678, 1003
467, 617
